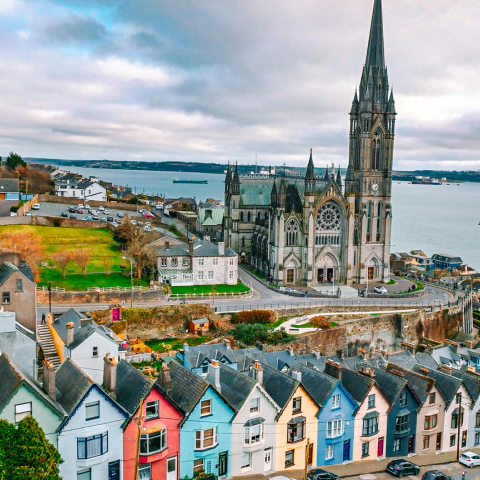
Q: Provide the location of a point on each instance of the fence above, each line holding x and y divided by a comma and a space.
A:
123, 289
54, 289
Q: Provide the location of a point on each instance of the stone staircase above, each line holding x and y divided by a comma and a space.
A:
48, 347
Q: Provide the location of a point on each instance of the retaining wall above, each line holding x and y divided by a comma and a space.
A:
92, 203
103, 297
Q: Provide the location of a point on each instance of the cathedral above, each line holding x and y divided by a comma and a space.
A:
314, 230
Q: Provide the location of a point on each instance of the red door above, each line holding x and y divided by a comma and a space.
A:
380, 447
115, 314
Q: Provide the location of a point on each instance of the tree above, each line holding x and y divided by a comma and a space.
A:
25, 453
14, 160
82, 257
62, 259
1, 161
320, 322
107, 263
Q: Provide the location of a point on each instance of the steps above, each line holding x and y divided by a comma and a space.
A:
47, 345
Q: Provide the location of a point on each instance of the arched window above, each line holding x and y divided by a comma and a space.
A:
243, 241
328, 222
291, 233
241, 216
249, 217
376, 152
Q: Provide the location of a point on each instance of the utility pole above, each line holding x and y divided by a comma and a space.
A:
50, 297
307, 448
138, 421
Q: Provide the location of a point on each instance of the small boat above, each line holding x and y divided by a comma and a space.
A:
203, 182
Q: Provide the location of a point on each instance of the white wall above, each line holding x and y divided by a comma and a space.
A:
95, 192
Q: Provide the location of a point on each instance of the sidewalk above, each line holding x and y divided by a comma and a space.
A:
365, 467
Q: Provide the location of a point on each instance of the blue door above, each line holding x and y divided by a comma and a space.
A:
346, 450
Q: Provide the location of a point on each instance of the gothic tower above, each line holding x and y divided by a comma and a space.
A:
368, 181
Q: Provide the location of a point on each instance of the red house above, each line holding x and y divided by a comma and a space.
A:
159, 438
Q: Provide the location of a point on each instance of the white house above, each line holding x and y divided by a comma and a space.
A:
199, 262
72, 186
90, 439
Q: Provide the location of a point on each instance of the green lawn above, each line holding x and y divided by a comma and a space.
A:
176, 343
391, 282
205, 289
308, 325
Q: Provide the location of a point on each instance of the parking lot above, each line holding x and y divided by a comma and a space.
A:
56, 209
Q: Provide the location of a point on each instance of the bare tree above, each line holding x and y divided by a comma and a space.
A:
62, 259
82, 257
107, 263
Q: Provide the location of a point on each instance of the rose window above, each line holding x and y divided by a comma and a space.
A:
328, 218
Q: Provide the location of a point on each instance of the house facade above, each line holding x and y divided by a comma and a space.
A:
73, 186
9, 189
443, 261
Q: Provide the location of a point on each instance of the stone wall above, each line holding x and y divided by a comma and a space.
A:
92, 203
68, 223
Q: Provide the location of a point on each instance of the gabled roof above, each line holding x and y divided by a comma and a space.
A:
426, 360
132, 386
72, 315
471, 382
403, 358
86, 331
420, 384
7, 269
9, 185
197, 355
357, 385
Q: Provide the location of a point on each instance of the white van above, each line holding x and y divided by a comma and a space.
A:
36, 206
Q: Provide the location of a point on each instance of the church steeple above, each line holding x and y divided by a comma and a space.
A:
310, 178
236, 181
376, 50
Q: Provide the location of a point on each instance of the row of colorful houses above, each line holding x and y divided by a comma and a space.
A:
240, 418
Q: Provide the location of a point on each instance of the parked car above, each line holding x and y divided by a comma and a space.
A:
380, 290
321, 474
139, 223
28, 214
101, 208
133, 222
120, 215
87, 206
94, 212
115, 224
401, 467
80, 205
147, 215
104, 219
64, 214
72, 209
105, 211
436, 475
80, 211
109, 219
36, 206
470, 459
89, 218
95, 217
73, 217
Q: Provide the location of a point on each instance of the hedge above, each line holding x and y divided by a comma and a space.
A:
255, 316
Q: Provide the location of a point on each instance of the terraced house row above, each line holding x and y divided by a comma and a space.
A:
236, 412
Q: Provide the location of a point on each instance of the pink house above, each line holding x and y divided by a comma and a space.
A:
158, 443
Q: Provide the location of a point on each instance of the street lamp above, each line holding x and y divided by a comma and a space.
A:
131, 279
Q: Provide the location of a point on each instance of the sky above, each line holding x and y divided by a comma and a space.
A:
225, 80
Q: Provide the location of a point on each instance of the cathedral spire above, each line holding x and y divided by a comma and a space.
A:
326, 176
391, 104
310, 175
339, 177
376, 52
236, 181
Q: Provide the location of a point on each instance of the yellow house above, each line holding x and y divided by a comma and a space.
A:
297, 423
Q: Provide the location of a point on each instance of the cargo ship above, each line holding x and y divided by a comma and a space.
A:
425, 181
203, 182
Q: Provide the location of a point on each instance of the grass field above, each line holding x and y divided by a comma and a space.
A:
78, 282
176, 343
308, 325
199, 289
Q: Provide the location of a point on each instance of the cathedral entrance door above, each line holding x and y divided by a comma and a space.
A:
290, 275
371, 273
330, 274
320, 275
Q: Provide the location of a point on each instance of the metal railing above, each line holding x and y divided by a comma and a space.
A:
54, 289
135, 288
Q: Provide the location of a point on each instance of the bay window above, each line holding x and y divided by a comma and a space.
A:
206, 438
296, 429
153, 442
401, 423
370, 425
335, 428
254, 431
93, 446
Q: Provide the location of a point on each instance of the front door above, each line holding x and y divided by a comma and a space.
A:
411, 444
380, 447
320, 275
310, 454
346, 450
115, 314
268, 459
172, 468
330, 274
438, 444
290, 275
114, 470
371, 272
464, 439
222, 464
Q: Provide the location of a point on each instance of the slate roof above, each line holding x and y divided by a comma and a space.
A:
426, 360
215, 219
357, 385
420, 384
447, 384
71, 315
9, 185
403, 358
86, 331
471, 382
282, 358
390, 384
132, 386
7, 269
11, 379
201, 248
196, 355
278, 385
318, 385
71, 384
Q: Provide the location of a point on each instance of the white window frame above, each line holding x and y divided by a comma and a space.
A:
255, 405
254, 434
210, 274
153, 403
329, 452
396, 444
86, 474
245, 462
232, 261
230, 275
144, 467
89, 406
22, 410
335, 428
336, 401
205, 404
198, 461
215, 261
201, 262
200, 275
200, 438
163, 441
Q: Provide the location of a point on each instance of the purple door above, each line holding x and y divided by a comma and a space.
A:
380, 447
115, 314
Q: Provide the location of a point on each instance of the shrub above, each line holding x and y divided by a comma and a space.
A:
119, 327
320, 322
249, 333
14, 208
255, 316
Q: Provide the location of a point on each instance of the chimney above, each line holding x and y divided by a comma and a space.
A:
110, 375
49, 379
70, 333
333, 369
410, 347
290, 351
340, 352
167, 244
445, 369
425, 371
214, 374
297, 375
362, 352
185, 347
257, 371
227, 343
316, 352
190, 247
221, 248
165, 378
259, 345
366, 371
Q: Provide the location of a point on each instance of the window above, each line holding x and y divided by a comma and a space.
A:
215, 261
431, 398
426, 442
198, 466
200, 275
335, 428
329, 452
401, 423
455, 418
95, 352
230, 275
174, 262
90, 447
5, 297
85, 474
371, 401
296, 430
291, 233
365, 449
335, 401
19, 285
458, 398
255, 405
22, 410
246, 461
185, 262
452, 440
153, 442
430, 422
210, 275
144, 471
201, 262
289, 458
164, 262
206, 438
206, 407
396, 445
232, 259
297, 405
370, 426
254, 434
403, 399
477, 438
92, 410
477, 420
151, 410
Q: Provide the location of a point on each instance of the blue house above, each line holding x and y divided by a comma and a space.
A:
336, 417
443, 261
206, 429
